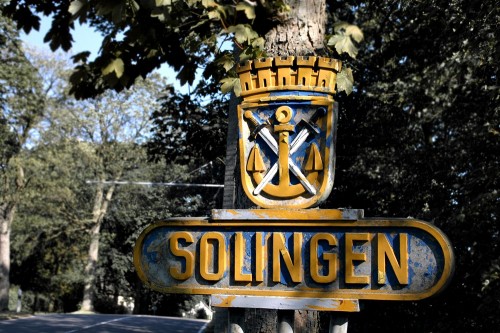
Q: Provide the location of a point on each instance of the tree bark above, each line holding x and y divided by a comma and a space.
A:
7, 212
301, 31
101, 204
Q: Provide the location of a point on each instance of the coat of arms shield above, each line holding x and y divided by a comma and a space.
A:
287, 129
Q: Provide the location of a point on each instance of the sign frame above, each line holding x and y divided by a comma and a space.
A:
278, 224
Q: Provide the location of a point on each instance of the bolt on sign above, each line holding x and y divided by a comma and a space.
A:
287, 127
369, 259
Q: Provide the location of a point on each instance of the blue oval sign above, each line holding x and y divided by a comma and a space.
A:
376, 259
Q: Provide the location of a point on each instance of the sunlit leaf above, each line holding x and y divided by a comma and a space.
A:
247, 8
116, 66
355, 33
208, 3
242, 33
345, 80
75, 7
160, 3
214, 15
231, 83
343, 44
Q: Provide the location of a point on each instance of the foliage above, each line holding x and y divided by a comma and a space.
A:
21, 102
139, 36
100, 138
419, 137
21, 108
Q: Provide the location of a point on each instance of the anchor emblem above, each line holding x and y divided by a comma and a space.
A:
284, 150
287, 123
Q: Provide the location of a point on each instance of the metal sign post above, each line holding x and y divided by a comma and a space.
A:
286, 257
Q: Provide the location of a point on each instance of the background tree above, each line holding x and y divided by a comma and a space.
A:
114, 125
48, 251
22, 105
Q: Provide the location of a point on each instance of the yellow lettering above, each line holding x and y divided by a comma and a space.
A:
384, 250
351, 256
208, 242
239, 254
330, 258
183, 253
294, 267
260, 256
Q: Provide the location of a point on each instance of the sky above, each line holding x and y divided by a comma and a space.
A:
87, 39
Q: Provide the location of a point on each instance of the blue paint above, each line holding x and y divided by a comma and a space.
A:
421, 248
297, 93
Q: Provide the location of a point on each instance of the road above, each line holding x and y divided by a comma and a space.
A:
73, 323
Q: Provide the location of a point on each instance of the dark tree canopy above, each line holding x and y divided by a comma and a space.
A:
420, 137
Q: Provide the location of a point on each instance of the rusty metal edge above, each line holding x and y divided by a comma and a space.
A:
285, 214
285, 303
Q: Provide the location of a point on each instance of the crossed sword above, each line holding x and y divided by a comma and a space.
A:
266, 135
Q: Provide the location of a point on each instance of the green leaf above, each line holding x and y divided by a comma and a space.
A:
345, 80
339, 26
247, 8
208, 3
118, 13
231, 83
242, 33
343, 44
160, 3
228, 65
214, 15
258, 43
75, 7
135, 5
355, 33
116, 66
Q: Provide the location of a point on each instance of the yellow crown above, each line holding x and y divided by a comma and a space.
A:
288, 73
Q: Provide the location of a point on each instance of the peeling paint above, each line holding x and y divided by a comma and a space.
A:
428, 268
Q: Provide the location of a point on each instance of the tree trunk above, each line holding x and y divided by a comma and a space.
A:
300, 31
101, 204
7, 212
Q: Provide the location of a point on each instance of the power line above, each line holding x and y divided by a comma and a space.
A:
115, 182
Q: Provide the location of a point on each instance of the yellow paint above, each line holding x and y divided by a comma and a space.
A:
280, 250
183, 253
351, 256
227, 301
314, 161
239, 255
284, 114
260, 256
272, 215
207, 253
384, 250
288, 73
330, 258
344, 305
255, 161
